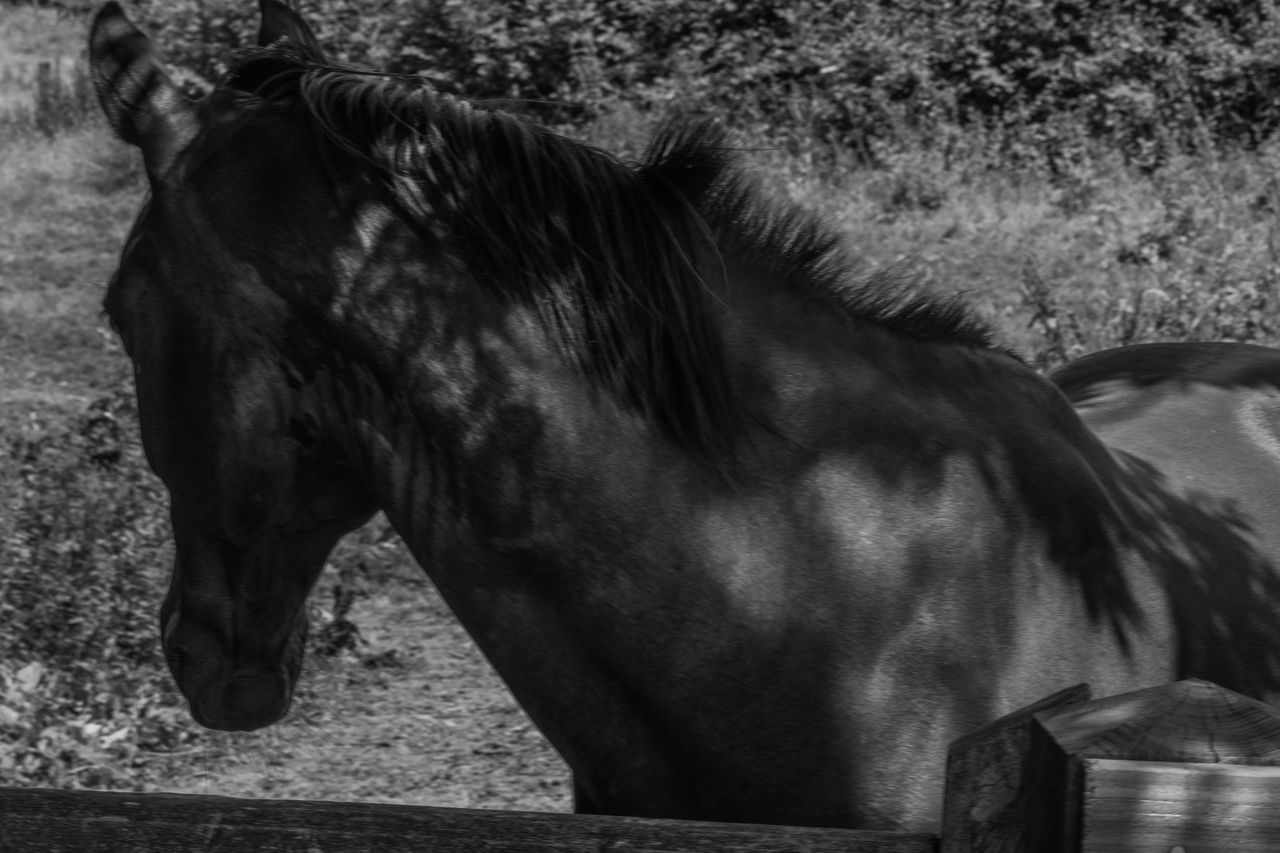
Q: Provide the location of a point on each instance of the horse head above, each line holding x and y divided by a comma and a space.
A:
228, 388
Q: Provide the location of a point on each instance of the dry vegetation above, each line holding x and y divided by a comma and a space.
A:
1100, 252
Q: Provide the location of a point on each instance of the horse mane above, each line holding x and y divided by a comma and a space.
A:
613, 256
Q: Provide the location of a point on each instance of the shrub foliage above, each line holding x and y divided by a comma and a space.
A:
84, 541
1044, 76
92, 518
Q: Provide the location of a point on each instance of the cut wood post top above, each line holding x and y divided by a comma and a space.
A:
1189, 721
986, 796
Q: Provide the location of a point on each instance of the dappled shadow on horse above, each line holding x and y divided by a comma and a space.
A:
1195, 431
749, 534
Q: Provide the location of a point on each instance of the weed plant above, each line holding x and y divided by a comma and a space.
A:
83, 541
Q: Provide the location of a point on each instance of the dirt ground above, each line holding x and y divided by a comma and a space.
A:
415, 715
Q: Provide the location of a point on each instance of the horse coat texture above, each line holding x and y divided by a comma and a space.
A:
750, 534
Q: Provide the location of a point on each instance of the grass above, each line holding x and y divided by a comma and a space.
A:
34, 33
1199, 239
69, 202
1100, 257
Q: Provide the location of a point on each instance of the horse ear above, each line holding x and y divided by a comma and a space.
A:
280, 21
142, 105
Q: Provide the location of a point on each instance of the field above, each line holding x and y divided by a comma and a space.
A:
1060, 265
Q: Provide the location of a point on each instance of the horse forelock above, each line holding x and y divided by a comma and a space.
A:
617, 259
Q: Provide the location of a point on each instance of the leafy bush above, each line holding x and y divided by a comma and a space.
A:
85, 727
1152, 77
200, 35
83, 545
1040, 81
88, 537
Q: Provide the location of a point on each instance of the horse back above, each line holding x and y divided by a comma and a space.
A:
1205, 416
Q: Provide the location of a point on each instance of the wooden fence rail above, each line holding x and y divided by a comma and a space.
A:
1183, 768
38, 820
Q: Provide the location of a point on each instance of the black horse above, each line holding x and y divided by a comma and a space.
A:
750, 537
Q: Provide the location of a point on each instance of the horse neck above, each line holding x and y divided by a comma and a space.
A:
477, 434
521, 490
609, 575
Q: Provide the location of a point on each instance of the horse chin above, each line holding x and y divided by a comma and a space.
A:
244, 702
226, 693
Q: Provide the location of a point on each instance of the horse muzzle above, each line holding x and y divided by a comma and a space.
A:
222, 692
243, 702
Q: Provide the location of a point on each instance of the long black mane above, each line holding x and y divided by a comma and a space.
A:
617, 258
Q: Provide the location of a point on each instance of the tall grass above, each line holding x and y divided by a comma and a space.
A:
1110, 256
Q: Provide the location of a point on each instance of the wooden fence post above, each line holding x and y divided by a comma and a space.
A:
1189, 765
986, 799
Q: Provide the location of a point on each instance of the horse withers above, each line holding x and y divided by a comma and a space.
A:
750, 535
